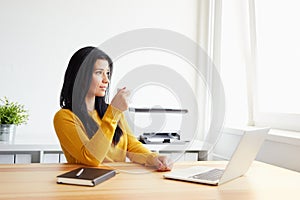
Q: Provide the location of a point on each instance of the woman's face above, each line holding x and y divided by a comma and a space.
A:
100, 79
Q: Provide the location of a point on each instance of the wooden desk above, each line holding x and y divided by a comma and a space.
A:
38, 181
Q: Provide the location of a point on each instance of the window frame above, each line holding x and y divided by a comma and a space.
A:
275, 120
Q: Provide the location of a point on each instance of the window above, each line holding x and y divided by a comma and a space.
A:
277, 64
260, 45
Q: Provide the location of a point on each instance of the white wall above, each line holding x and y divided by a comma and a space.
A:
39, 37
276, 150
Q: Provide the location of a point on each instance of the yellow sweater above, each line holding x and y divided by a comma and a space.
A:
78, 148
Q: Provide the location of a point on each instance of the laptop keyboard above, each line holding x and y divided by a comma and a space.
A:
212, 175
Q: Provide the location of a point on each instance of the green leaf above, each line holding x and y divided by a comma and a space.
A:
12, 112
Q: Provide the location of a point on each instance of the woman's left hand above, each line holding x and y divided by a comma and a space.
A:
163, 163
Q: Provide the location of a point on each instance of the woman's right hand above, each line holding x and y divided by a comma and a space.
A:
120, 100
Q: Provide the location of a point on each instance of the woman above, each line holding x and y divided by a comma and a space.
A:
89, 130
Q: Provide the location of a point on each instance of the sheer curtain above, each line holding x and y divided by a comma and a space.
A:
235, 60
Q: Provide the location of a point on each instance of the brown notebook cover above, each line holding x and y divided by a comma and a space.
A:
86, 176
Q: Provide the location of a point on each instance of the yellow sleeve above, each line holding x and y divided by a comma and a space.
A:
136, 151
73, 139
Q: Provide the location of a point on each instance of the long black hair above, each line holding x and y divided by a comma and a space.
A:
76, 84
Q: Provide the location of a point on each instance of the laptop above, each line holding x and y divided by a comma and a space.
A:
242, 158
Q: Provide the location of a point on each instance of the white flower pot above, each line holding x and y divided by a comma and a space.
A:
7, 133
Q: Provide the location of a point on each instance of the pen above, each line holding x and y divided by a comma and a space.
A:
80, 172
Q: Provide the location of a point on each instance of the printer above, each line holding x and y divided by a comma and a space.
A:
156, 125
159, 138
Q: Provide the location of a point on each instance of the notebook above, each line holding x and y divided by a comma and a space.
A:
86, 176
238, 165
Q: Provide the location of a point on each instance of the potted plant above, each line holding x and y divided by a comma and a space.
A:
12, 114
